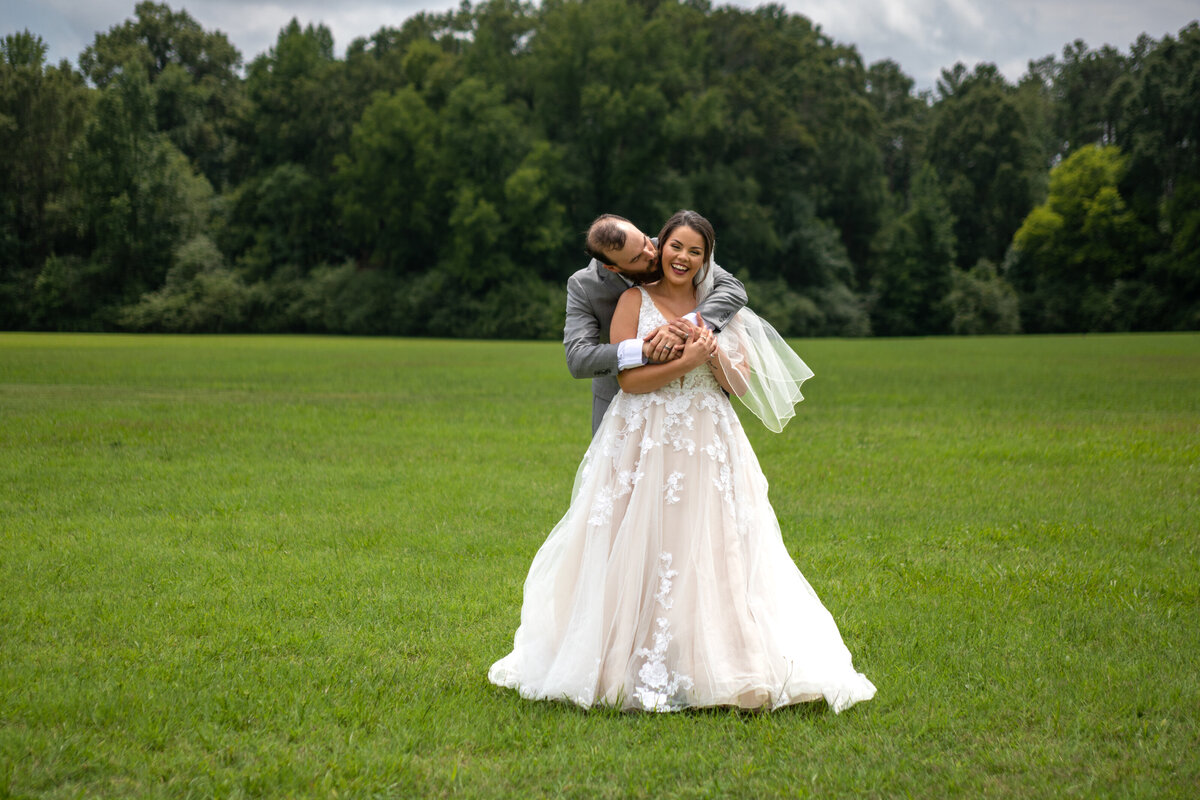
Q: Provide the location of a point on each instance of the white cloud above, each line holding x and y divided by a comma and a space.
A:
68, 26
923, 36
899, 17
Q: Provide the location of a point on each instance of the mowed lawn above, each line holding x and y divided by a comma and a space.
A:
281, 566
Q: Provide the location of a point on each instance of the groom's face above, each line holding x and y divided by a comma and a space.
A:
637, 260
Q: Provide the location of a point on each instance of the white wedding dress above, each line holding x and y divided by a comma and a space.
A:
666, 585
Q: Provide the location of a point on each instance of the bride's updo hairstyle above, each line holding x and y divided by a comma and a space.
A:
690, 219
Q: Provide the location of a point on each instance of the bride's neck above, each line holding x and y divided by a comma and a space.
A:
682, 294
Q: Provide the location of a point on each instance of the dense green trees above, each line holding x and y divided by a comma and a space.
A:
1077, 257
913, 279
1115, 245
197, 90
983, 152
436, 179
42, 113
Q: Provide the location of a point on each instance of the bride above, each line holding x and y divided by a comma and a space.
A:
666, 585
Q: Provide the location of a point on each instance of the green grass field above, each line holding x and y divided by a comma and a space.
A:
281, 566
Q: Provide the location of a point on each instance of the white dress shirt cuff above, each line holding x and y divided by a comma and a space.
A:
691, 317
629, 354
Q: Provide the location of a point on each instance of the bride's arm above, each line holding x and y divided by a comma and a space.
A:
734, 378
640, 380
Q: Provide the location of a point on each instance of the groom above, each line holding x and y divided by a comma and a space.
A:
623, 256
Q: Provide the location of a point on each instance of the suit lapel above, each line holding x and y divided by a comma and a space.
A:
613, 283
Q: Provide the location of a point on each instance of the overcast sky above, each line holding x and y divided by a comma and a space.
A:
923, 36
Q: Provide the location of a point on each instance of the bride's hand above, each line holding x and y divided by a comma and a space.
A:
699, 348
713, 350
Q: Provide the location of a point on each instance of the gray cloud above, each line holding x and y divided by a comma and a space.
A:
923, 36
68, 26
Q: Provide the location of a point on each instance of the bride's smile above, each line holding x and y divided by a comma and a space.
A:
682, 254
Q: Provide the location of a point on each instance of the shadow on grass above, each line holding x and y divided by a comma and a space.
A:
813, 709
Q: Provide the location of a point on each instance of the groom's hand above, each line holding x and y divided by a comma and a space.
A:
665, 343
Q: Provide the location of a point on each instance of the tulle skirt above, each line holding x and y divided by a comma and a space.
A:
666, 585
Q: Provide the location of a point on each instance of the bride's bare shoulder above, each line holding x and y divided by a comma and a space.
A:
625, 316
630, 297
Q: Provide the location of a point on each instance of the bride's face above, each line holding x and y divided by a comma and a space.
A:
682, 255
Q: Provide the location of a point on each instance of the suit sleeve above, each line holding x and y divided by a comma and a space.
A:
587, 356
727, 297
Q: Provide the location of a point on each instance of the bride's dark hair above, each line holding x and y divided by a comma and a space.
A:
688, 219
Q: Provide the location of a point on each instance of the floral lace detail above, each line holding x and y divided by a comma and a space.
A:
673, 427
650, 318
629, 477
674, 484
723, 480
660, 687
602, 507
717, 451
699, 379
665, 574
679, 404
677, 420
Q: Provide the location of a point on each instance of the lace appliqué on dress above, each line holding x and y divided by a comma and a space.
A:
723, 481
674, 484
679, 418
660, 688
628, 478
602, 507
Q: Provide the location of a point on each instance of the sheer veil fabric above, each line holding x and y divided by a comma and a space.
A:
771, 386
666, 584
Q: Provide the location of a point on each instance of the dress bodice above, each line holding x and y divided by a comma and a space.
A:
650, 318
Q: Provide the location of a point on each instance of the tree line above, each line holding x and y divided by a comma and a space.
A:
437, 179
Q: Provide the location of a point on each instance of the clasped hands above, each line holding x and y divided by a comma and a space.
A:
679, 338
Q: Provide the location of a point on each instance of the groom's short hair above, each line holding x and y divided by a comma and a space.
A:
605, 234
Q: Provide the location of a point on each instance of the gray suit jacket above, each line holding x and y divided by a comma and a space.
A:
592, 295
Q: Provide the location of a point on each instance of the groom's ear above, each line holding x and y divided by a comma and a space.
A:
602, 261
601, 258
